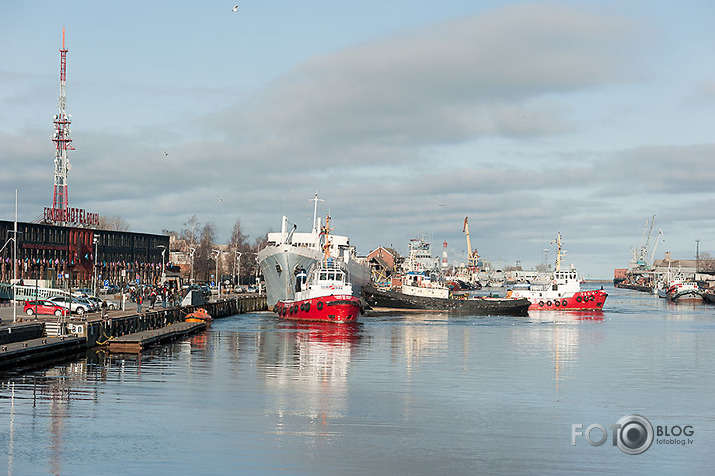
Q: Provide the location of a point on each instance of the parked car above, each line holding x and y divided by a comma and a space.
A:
73, 304
97, 301
111, 289
91, 306
43, 306
81, 292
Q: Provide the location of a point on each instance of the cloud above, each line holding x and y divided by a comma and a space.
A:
492, 74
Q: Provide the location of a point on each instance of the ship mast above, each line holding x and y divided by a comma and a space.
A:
558, 251
315, 211
63, 143
326, 238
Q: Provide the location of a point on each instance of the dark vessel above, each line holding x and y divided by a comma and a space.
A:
483, 306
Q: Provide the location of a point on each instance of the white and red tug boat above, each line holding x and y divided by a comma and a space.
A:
326, 295
562, 292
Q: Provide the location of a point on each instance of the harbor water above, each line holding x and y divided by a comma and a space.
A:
401, 393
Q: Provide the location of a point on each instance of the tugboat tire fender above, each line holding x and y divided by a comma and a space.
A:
319, 306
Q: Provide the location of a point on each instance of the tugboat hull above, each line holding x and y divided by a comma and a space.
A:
334, 308
480, 306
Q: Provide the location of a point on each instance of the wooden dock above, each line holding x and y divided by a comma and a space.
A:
21, 353
138, 341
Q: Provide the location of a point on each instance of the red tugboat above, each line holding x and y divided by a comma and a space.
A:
326, 295
562, 292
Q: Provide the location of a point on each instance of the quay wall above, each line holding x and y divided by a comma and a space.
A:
30, 342
21, 332
98, 332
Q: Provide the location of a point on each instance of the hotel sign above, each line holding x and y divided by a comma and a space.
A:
71, 215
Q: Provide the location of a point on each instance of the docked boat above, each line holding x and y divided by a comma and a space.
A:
324, 294
420, 291
684, 291
289, 254
709, 297
481, 306
561, 292
199, 315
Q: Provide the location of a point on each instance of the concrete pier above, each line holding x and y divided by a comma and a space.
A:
44, 338
138, 341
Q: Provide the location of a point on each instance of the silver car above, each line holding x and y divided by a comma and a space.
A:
97, 301
73, 304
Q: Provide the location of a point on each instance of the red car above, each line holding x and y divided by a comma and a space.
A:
43, 306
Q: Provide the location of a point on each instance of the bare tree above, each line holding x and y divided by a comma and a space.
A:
202, 259
239, 244
189, 232
113, 223
706, 263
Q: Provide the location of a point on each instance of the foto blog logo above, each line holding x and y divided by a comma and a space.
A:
633, 434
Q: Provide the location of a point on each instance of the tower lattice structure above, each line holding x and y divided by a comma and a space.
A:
63, 142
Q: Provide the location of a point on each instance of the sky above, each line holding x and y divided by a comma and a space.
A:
530, 118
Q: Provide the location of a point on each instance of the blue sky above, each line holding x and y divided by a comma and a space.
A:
531, 118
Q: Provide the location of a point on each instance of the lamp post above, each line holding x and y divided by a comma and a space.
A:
235, 265
95, 239
192, 251
14, 266
215, 254
163, 264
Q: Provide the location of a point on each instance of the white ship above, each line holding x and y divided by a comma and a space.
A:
290, 254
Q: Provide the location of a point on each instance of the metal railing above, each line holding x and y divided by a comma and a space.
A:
29, 293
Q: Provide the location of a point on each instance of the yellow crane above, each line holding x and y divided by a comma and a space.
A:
472, 255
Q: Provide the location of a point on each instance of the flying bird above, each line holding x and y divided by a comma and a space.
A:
165, 153
235, 8
220, 200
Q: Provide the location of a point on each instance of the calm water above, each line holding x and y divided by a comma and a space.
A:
417, 393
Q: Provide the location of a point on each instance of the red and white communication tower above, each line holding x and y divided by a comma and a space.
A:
63, 142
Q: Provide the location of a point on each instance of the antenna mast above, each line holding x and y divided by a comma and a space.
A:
63, 143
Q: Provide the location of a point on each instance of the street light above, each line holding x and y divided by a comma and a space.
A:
215, 254
192, 250
163, 265
237, 263
95, 239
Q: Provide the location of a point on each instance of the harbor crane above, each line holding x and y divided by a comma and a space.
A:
472, 255
640, 255
655, 246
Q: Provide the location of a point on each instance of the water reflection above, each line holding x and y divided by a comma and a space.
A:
306, 366
561, 338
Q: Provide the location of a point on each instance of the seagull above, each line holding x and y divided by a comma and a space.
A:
165, 153
220, 200
235, 8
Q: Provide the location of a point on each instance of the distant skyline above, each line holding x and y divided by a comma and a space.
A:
530, 118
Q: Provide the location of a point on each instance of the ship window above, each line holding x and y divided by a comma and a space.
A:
278, 268
331, 276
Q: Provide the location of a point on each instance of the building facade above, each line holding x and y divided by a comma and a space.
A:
67, 256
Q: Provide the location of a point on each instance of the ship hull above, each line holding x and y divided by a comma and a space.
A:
688, 295
335, 308
579, 301
479, 306
278, 264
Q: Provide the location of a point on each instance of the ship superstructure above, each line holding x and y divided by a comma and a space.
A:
290, 253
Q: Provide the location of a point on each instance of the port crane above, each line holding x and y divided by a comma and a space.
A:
472, 255
640, 255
